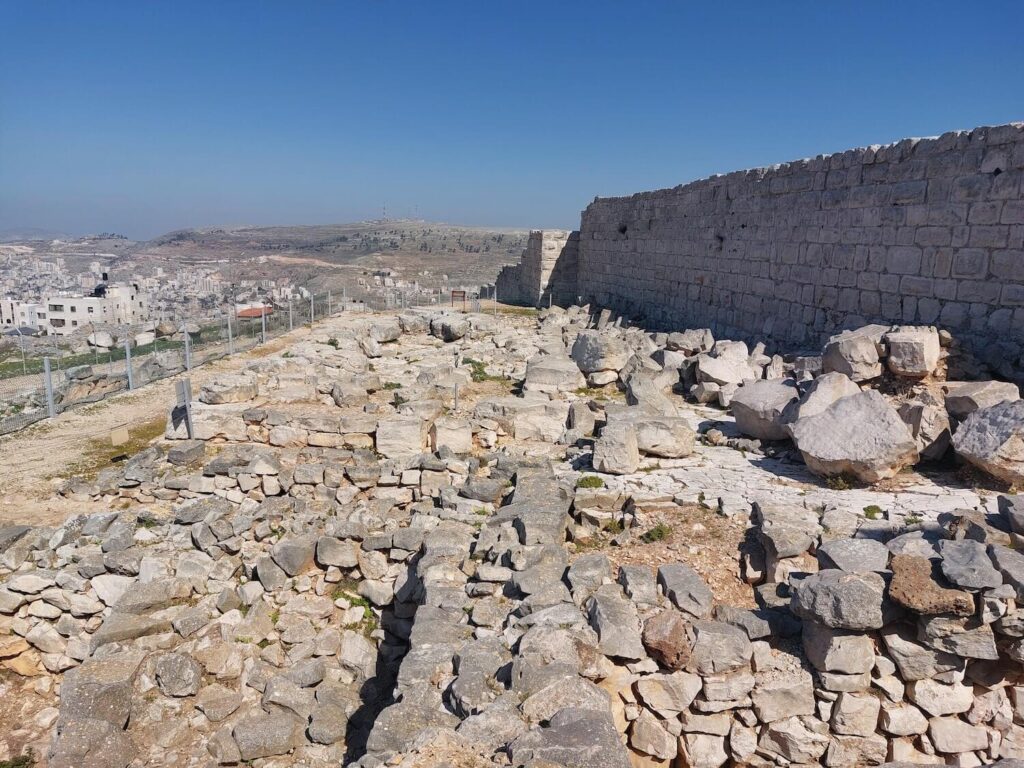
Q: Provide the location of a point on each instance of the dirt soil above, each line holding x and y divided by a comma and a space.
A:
700, 537
34, 461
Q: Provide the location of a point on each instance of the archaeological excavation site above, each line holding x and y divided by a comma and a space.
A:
729, 478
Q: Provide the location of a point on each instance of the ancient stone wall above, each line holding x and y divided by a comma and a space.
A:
921, 231
546, 273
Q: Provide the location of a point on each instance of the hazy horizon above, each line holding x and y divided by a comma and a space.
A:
142, 119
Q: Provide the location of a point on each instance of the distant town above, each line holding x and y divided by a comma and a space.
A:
43, 296
75, 287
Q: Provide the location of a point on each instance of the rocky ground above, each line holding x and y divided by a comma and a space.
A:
475, 540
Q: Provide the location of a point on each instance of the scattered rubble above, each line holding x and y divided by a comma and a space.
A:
390, 546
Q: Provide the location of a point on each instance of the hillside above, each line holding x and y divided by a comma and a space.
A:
329, 256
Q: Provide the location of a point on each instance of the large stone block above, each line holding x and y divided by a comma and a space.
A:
860, 435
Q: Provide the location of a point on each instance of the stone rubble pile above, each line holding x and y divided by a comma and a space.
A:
384, 546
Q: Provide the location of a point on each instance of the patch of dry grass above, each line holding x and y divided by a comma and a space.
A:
102, 455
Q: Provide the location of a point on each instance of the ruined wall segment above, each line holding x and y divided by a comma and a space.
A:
921, 231
546, 272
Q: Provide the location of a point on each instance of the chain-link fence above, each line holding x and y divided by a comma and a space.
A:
48, 380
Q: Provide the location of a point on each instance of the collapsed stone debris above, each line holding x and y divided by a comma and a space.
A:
397, 543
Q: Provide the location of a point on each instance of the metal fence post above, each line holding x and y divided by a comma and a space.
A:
128, 363
48, 384
291, 315
231, 339
312, 312
328, 303
188, 349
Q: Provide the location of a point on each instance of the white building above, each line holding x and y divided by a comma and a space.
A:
21, 314
8, 312
31, 315
117, 304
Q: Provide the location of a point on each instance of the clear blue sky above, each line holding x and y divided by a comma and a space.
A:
141, 117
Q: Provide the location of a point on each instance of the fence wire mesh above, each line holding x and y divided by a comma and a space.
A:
93, 375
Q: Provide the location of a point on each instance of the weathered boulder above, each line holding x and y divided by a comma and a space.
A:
615, 620
229, 388
669, 694
669, 437
795, 739
718, 647
819, 395
332, 551
101, 339
855, 714
597, 351
841, 600
90, 743
616, 451
953, 736
962, 398
178, 674
691, 341
758, 407
454, 434
267, 735
725, 369
412, 323
1010, 563
649, 736
912, 352
1010, 507
400, 724
902, 720
854, 555
929, 424
385, 329
400, 436
914, 586
939, 699
101, 689
686, 590
574, 738
782, 695
855, 353
448, 328
786, 530
914, 660
294, 554
571, 691
552, 373
966, 564
667, 640
837, 650
967, 637
992, 439
860, 435
648, 391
